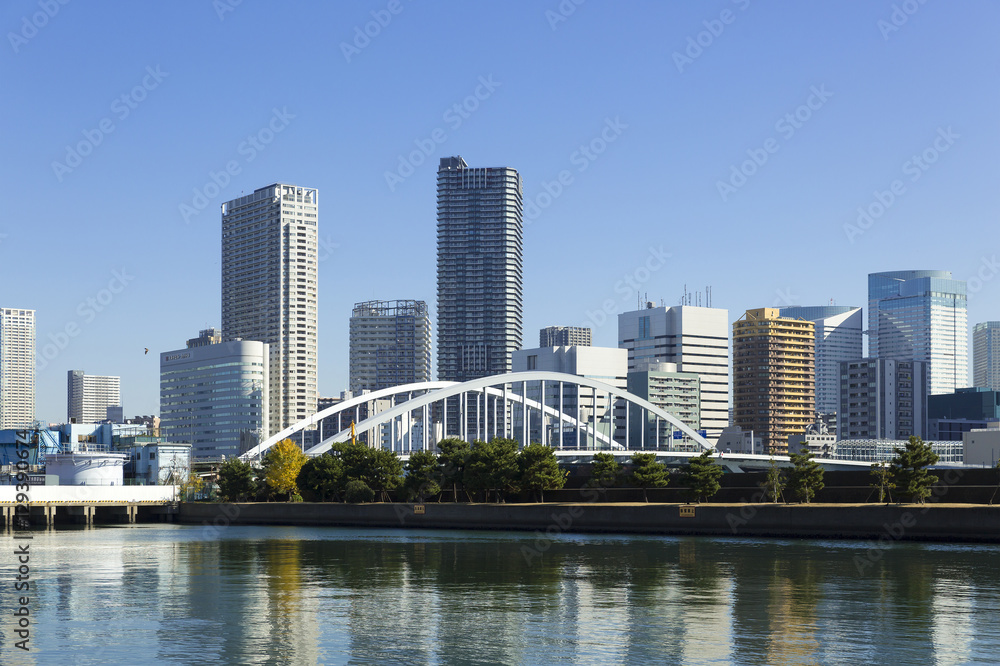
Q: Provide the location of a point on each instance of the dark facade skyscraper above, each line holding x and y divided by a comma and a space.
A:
479, 269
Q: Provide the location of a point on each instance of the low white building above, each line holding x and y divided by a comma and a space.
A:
160, 463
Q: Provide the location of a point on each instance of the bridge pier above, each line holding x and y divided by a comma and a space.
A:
82, 515
8, 517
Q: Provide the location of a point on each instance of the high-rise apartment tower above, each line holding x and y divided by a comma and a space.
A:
774, 392
89, 396
390, 344
838, 339
986, 355
479, 269
270, 290
17, 368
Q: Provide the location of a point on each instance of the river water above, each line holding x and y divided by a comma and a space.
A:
166, 594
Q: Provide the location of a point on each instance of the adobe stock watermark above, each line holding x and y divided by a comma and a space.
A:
121, 108
248, 149
454, 116
786, 126
988, 269
223, 7
901, 13
581, 158
562, 12
704, 39
784, 298
629, 286
31, 25
915, 167
86, 312
363, 35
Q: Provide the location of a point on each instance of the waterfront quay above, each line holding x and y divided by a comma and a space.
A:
878, 522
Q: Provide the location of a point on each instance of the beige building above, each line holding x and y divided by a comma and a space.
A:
774, 383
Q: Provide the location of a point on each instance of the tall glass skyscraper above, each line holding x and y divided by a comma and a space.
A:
838, 338
479, 269
921, 316
986, 355
269, 290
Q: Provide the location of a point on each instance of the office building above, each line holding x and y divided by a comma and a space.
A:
838, 338
677, 393
214, 396
88, 397
920, 316
986, 355
390, 344
882, 399
17, 368
773, 376
604, 364
950, 415
696, 340
564, 336
270, 290
479, 269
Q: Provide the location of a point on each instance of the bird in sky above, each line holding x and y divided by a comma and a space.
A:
147, 351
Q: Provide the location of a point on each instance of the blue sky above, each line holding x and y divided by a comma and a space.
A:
739, 138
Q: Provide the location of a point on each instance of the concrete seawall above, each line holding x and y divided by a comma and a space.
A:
929, 522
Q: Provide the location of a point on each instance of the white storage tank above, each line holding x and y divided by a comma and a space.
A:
86, 468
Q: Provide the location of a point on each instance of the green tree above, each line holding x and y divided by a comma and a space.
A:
702, 475
605, 472
322, 478
453, 458
539, 470
384, 472
647, 473
909, 469
807, 475
492, 466
423, 476
282, 464
358, 492
882, 481
236, 480
773, 483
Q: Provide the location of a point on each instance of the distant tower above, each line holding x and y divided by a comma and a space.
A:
564, 336
269, 290
390, 344
479, 269
17, 368
774, 392
986, 355
89, 396
838, 338
921, 316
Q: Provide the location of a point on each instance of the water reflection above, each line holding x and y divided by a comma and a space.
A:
299, 595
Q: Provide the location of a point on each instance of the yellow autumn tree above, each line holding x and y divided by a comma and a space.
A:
281, 467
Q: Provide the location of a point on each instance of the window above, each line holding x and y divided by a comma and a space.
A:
533, 362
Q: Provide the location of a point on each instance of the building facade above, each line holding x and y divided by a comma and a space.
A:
390, 344
678, 393
952, 414
921, 316
564, 336
88, 397
882, 399
17, 368
986, 355
270, 290
479, 269
773, 376
838, 338
604, 364
215, 396
696, 340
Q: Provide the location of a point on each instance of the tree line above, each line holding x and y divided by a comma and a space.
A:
496, 469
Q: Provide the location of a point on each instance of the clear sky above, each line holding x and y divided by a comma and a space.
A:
115, 116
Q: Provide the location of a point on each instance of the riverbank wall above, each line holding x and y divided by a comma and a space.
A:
896, 522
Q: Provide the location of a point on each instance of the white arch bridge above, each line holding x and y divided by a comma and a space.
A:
566, 412
575, 415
